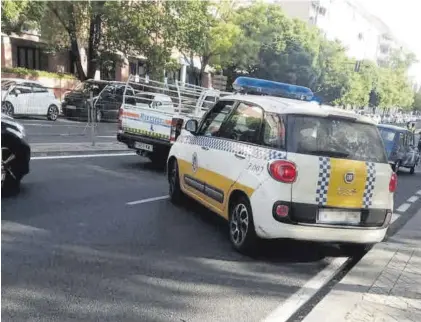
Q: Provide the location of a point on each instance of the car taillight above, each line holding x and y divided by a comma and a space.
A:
283, 171
393, 182
120, 119
176, 125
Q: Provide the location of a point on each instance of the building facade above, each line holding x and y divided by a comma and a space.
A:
363, 35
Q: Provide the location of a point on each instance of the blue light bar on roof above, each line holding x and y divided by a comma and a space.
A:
256, 86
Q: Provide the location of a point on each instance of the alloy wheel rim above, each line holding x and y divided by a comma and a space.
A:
6, 157
239, 224
172, 179
53, 113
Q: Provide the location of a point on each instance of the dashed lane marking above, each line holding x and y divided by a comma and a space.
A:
137, 202
413, 199
403, 207
288, 308
394, 217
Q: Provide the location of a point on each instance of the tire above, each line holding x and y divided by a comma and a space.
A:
396, 166
242, 233
7, 108
10, 181
355, 250
412, 170
52, 113
176, 195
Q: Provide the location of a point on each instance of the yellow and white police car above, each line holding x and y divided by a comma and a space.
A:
278, 167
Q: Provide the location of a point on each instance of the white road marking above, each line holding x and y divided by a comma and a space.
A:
394, 218
131, 203
106, 136
403, 207
419, 191
413, 199
288, 308
78, 156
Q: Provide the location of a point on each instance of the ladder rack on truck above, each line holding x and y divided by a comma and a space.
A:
153, 113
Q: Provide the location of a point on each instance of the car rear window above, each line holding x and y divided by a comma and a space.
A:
388, 137
335, 137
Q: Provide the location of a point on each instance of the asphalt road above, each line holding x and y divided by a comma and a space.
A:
73, 250
40, 130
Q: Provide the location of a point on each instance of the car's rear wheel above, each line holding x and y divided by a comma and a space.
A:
412, 169
10, 181
52, 113
241, 226
7, 108
396, 166
176, 195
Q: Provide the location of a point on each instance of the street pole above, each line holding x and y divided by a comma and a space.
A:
91, 104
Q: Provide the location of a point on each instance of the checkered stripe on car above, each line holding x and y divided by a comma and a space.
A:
369, 184
323, 182
233, 147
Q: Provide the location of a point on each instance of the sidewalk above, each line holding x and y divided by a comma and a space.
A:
38, 149
384, 286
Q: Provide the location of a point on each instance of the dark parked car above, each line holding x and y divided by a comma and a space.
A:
107, 99
15, 155
401, 147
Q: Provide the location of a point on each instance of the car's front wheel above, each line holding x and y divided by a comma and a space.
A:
10, 181
7, 108
175, 192
241, 226
412, 169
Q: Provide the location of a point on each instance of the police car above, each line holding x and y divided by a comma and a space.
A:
277, 167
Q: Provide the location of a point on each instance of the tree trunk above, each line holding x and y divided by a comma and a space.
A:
74, 46
204, 62
95, 33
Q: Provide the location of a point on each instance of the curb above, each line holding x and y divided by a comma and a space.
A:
79, 152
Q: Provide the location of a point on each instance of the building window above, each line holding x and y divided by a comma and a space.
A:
28, 57
132, 68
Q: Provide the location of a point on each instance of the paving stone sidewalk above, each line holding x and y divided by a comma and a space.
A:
384, 286
75, 148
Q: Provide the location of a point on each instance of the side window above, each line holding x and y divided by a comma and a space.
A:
274, 131
244, 124
23, 89
215, 117
208, 102
39, 89
401, 141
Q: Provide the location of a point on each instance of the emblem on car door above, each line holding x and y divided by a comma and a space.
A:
349, 177
194, 163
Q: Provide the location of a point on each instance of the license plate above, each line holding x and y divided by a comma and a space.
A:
335, 216
143, 146
71, 107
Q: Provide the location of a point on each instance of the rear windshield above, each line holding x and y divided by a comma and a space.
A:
335, 137
388, 137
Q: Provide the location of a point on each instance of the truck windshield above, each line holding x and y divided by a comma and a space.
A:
335, 137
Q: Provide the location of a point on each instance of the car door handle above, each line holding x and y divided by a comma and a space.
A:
239, 155
205, 148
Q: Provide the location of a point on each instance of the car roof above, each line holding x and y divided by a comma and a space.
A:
21, 80
282, 105
392, 127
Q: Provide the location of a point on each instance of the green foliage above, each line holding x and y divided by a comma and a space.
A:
258, 40
23, 72
417, 101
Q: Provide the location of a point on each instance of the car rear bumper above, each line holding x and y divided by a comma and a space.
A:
130, 139
322, 234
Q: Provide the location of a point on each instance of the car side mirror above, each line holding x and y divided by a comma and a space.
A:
192, 126
17, 92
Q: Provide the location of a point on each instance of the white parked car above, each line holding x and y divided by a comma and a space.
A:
27, 97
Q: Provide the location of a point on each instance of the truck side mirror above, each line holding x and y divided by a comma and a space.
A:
192, 126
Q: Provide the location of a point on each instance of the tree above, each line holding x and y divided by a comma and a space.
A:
204, 29
416, 105
17, 15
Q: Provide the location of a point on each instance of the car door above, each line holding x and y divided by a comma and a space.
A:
195, 157
228, 153
23, 99
41, 99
